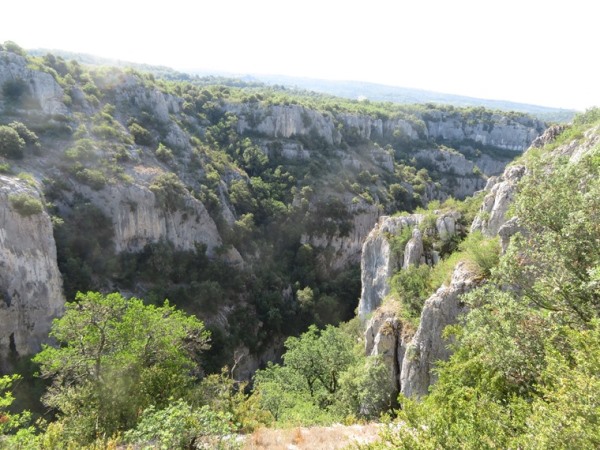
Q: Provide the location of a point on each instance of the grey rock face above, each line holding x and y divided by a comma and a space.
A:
346, 249
458, 175
384, 336
41, 86
378, 262
427, 345
131, 92
492, 214
413, 252
506, 133
508, 230
138, 220
30, 282
285, 121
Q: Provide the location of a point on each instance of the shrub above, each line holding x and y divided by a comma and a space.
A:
412, 286
180, 426
141, 136
164, 153
13, 90
95, 179
83, 150
169, 192
106, 131
26, 204
11, 144
26, 134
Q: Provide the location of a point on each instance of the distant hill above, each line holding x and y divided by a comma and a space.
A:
346, 89
395, 94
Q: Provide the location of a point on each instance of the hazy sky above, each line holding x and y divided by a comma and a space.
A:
541, 52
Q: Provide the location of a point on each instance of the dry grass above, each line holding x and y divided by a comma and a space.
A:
313, 438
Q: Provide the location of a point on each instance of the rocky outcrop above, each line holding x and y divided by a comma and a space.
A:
366, 127
409, 355
458, 176
138, 220
501, 192
427, 345
30, 282
379, 261
285, 121
386, 337
343, 250
130, 92
41, 87
497, 130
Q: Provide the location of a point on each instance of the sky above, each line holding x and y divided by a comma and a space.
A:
530, 51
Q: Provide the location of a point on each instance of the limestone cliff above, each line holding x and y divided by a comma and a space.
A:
39, 86
30, 282
380, 261
502, 131
289, 121
139, 220
497, 130
343, 250
385, 333
427, 345
501, 191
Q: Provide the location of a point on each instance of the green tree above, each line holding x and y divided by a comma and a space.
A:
9, 422
169, 192
320, 356
305, 388
116, 357
11, 144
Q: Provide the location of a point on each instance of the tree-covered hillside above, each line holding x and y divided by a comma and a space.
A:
230, 200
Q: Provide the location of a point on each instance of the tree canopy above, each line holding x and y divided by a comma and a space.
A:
115, 357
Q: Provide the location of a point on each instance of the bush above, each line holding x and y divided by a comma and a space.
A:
169, 192
26, 204
412, 286
95, 179
164, 153
141, 136
180, 426
26, 134
11, 144
143, 355
13, 90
